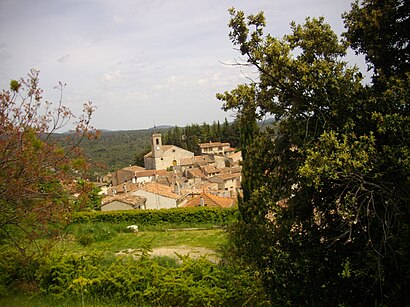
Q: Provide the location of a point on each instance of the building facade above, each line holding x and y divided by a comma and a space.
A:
164, 156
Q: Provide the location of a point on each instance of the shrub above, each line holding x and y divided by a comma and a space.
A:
151, 281
94, 232
189, 216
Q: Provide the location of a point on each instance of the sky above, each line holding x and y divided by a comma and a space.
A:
141, 63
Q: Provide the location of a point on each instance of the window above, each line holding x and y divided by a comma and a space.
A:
157, 141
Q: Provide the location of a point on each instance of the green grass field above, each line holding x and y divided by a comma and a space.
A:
111, 240
108, 240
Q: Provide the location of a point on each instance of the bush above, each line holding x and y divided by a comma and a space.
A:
93, 232
187, 216
150, 281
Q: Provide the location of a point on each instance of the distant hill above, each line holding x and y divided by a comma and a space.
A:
117, 149
161, 127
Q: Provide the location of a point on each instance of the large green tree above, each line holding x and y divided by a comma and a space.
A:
325, 209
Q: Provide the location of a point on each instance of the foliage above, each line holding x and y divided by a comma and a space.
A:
83, 277
381, 31
35, 172
89, 197
191, 216
190, 136
144, 280
324, 214
94, 232
117, 149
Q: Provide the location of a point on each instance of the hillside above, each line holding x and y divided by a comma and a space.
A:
117, 149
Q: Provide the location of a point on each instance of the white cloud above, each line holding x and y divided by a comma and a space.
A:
118, 19
63, 59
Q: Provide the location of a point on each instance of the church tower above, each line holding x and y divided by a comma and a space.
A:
156, 145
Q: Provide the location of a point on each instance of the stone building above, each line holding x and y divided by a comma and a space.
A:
164, 156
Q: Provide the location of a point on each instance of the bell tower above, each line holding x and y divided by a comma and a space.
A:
156, 145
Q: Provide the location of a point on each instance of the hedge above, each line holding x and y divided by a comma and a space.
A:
199, 215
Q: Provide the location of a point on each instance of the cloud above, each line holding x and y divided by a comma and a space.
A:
112, 76
118, 19
4, 54
63, 59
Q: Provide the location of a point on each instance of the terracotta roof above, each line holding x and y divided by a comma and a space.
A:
129, 199
203, 158
210, 200
187, 161
236, 155
227, 176
196, 172
134, 168
210, 169
160, 189
230, 170
150, 173
165, 148
128, 185
213, 144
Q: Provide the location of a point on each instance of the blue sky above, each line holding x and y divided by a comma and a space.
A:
140, 62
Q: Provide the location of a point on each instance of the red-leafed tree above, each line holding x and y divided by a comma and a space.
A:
37, 173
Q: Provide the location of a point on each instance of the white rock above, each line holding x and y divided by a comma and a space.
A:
134, 228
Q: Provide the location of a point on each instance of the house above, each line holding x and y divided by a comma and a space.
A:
216, 148
124, 188
235, 159
210, 170
159, 196
123, 202
230, 170
228, 183
124, 175
209, 200
146, 176
195, 173
162, 157
195, 161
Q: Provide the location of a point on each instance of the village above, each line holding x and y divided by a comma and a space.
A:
173, 177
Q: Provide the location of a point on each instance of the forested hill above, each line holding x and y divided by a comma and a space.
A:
117, 149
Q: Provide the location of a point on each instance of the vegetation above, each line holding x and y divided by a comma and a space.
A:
146, 281
325, 210
105, 264
114, 150
36, 173
184, 216
192, 135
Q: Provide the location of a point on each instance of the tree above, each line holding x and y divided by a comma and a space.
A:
324, 215
36, 173
381, 31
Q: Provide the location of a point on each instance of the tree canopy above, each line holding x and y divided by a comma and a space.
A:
325, 207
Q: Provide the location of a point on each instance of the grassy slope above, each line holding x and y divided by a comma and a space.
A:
114, 238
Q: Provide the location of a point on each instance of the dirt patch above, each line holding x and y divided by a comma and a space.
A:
174, 251
193, 252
